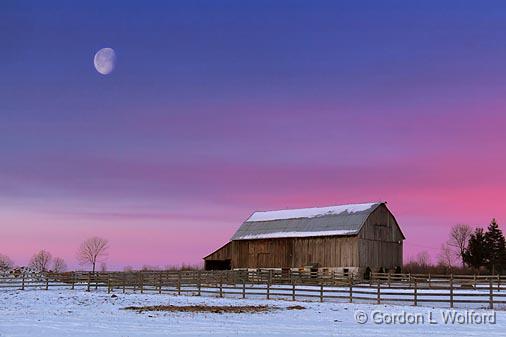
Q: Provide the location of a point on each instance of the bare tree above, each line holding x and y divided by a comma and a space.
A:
459, 237
40, 261
59, 265
148, 267
446, 257
93, 250
5, 263
423, 259
103, 267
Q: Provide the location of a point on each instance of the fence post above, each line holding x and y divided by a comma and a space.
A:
243, 287
221, 286
108, 283
269, 280
409, 279
141, 276
378, 293
351, 290
179, 283
293, 290
160, 277
451, 290
124, 282
498, 282
73, 276
47, 282
23, 282
474, 281
321, 292
415, 293
491, 294
430, 283
389, 280
268, 289
199, 280
89, 281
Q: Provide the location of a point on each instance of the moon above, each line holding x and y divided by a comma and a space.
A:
104, 60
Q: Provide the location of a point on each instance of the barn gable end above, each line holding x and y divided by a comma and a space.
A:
380, 240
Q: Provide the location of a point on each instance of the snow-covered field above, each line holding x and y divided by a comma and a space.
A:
78, 313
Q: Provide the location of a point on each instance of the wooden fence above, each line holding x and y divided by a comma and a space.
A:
434, 280
409, 289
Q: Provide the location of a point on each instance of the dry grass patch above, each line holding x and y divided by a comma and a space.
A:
204, 308
295, 307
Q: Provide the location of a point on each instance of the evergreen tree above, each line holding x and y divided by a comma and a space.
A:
476, 253
496, 248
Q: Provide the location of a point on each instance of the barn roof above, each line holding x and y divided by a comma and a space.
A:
321, 221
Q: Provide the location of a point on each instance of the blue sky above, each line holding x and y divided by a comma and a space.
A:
219, 108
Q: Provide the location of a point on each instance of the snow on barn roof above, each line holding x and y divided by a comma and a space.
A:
306, 222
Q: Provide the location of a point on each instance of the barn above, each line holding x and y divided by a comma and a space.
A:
348, 238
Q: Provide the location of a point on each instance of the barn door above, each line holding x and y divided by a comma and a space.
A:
289, 255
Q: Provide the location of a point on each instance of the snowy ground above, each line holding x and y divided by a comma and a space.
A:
78, 313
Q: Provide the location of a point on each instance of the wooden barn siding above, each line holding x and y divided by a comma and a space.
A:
376, 254
295, 252
326, 251
380, 241
261, 253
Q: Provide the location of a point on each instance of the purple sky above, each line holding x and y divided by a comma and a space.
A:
217, 109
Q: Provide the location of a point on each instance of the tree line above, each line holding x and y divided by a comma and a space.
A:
486, 249
466, 250
91, 252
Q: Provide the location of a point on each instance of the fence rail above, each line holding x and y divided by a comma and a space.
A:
409, 289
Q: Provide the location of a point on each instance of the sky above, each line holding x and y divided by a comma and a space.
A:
216, 109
